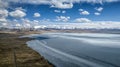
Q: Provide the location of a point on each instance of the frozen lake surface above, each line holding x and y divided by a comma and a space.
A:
78, 49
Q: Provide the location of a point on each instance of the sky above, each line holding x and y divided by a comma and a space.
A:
58, 11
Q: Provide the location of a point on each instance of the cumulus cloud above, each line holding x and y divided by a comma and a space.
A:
57, 11
3, 20
63, 11
82, 20
3, 4
63, 18
17, 14
25, 20
4, 24
3, 13
18, 25
84, 13
48, 1
36, 21
80, 9
37, 15
99, 9
20, 8
26, 23
96, 13
63, 4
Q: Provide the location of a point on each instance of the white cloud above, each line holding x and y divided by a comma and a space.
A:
60, 4
96, 13
45, 20
3, 4
36, 21
91, 25
17, 14
82, 20
15, 20
80, 9
69, 1
3, 13
26, 23
20, 8
24, 20
4, 24
84, 13
37, 15
63, 11
63, 18
63, 4
57, 11
18, 25
99, 9
3, 20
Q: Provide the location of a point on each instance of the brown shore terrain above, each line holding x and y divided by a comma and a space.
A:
15, 53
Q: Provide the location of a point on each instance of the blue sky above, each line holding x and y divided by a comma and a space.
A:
70, 11
110, 12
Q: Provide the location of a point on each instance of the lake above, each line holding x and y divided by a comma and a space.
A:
78, 49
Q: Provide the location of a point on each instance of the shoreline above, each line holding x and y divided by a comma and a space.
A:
26, 56
11, 44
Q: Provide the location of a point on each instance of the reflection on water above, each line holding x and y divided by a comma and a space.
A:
75, 50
